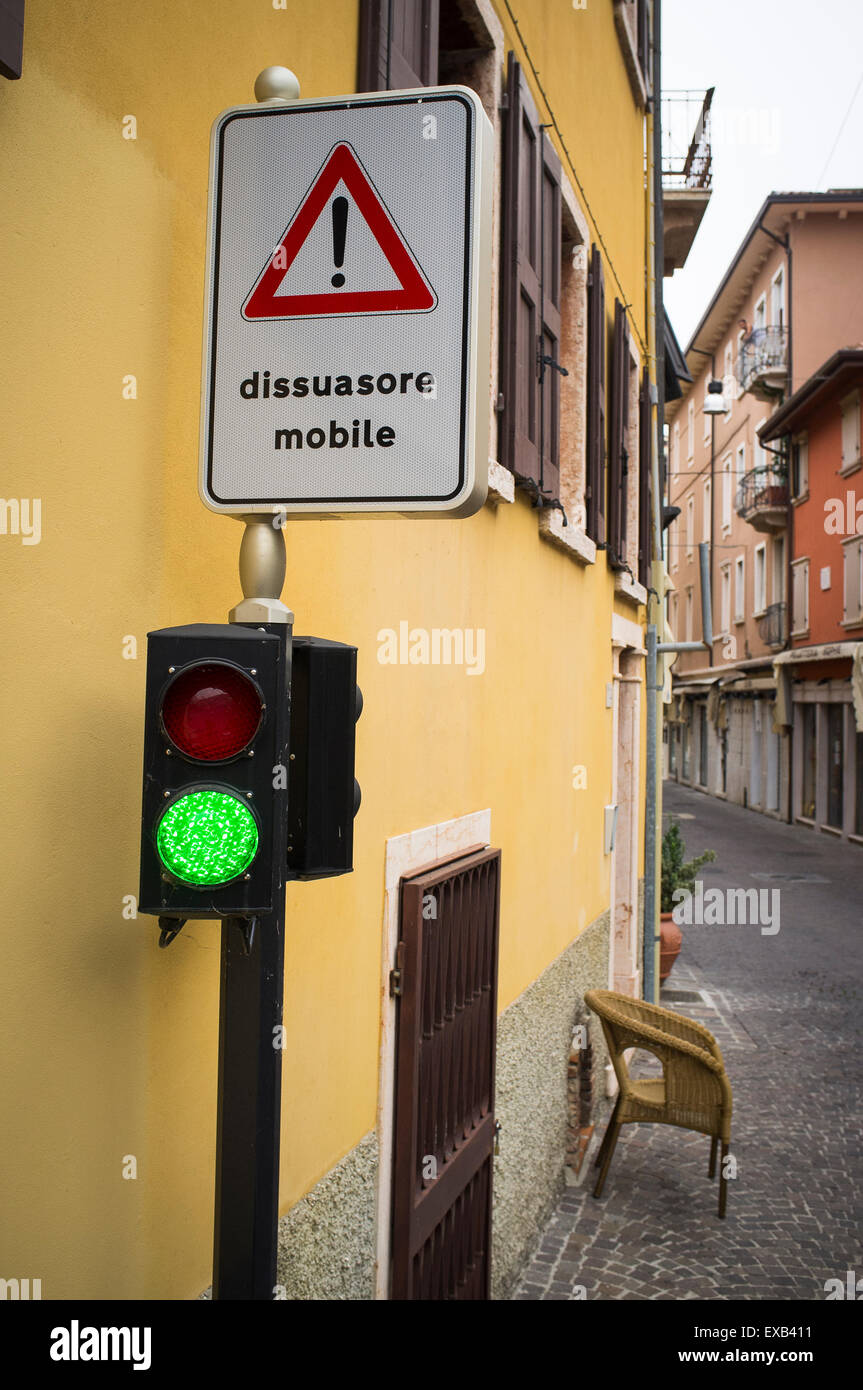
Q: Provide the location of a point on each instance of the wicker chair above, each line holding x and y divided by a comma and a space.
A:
693, 1092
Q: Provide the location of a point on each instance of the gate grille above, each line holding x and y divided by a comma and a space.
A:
444, 1127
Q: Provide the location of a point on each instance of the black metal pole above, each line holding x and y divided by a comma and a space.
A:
249, 1108
248, 1124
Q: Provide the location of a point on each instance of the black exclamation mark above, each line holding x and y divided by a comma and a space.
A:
340, 227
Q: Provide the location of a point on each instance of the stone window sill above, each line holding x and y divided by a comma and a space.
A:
501, 483
629, 588
569, 538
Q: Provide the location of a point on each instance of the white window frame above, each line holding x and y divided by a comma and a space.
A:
778, 279
690, 434
850, 406
740, 588
725, 598
728, 381
705, 510
801, 620
759, 610
800, 442
727, 495
760, 310
690, 526
852, 581
689, 613
672, 612
675, 448
739, 464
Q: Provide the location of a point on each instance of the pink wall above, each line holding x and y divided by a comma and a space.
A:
827, 288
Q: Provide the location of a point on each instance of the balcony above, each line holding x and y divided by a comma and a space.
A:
773, 625
762, 366
762, 498
687, 170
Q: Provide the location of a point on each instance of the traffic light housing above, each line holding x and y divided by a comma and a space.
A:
215, 771
323, 795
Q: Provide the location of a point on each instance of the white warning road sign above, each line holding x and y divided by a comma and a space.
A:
346, 348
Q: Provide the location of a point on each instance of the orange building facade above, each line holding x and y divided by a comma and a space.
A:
821, 674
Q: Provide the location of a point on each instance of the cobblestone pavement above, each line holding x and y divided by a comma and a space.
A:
785, 1009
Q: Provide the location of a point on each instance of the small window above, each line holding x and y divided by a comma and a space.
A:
725, 599
688, 637
706, 511
741, 464
759, 595
851, 432
729, 383
800, 597
852, 551
759, 318
800, 466
690, 526
675, 448
727, 488
777, 300
690, 434
740, 588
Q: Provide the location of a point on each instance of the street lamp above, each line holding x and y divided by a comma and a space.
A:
714, 401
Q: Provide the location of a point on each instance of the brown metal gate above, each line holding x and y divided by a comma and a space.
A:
446, 983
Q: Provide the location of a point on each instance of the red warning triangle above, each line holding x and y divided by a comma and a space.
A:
415, 294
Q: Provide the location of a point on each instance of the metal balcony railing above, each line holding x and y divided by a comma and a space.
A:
763, 354
763, 490
773, 625
686, 157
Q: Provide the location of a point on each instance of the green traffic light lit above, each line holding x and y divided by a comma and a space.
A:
207, 837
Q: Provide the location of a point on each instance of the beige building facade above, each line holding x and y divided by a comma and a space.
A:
790, 295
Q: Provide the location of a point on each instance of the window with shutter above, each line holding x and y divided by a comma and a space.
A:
618, 461
398, 44
530, 293
11, 37
595, 494
644, 480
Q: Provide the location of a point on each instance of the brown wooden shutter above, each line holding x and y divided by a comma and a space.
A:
645, 451
551, 228
11, 37
618, 462
530, 293
521, 281
398, 44
595, 490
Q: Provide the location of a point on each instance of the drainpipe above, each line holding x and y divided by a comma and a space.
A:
653, 789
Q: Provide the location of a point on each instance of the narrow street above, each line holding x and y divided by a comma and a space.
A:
785, 1009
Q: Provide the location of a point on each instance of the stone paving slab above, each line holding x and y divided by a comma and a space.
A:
791, 1042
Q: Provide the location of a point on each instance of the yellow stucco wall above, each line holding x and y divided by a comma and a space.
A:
108, 1044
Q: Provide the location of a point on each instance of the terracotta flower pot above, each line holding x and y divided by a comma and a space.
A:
670, 941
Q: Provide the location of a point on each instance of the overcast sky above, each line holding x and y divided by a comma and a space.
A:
785, 72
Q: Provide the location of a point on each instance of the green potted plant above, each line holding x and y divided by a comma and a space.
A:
676, 874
